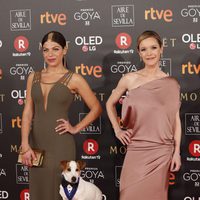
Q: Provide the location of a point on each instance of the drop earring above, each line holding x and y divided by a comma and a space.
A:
44, 66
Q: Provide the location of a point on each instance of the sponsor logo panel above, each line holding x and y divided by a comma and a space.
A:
192, 12
123, 15
22, 174
20, 20
87, 16
21, 70
192, 40
192, 123
156, 14
53, 18
94, 128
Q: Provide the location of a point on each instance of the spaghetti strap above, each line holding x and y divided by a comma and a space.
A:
36, 77
67, 78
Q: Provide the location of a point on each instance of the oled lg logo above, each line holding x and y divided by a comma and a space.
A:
123, 41
192, 11
86, 70
88, 43
193, 40
90, 147
21, 70
20, 20
50, 18
19, 95
21, 44
155, 14
123, 15
87, 15
190, 68
191, 198
4, 194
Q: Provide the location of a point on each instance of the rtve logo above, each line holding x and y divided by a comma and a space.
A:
190, 68
194, 148
16, 122
21, 43
90, 147
49, 18
155, 14
123, 41
85, 70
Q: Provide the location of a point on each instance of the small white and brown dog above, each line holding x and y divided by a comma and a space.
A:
73, 187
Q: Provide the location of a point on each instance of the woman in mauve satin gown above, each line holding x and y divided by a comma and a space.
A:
151, 124
50, 93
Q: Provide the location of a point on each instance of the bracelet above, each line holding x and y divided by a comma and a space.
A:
22, 152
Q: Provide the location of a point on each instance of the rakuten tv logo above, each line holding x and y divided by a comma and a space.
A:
90, 147
86, 70
194, 148
154, 14
21, 44
50, 18
24, 195
123, 41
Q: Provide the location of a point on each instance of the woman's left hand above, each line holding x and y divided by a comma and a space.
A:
175, 163
65, 127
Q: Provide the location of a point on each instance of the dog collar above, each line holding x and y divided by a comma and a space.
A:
69, 188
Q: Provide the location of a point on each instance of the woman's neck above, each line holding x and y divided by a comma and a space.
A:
58, 69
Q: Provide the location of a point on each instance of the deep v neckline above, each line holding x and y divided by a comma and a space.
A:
45, 104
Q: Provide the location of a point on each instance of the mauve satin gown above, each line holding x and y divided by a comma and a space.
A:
149, 113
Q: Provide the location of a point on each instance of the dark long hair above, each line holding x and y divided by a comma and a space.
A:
57, 37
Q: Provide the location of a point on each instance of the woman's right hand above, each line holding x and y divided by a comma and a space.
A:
28, 157
124, 136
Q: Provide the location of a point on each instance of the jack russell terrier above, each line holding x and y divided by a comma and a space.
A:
73, 187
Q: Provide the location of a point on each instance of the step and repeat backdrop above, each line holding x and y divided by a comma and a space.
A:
101, 38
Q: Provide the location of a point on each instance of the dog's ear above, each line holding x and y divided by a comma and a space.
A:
63, 164
82, 164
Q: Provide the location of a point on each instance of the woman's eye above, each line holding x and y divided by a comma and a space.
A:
154, 47
56, 49
44, 50
142, 50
